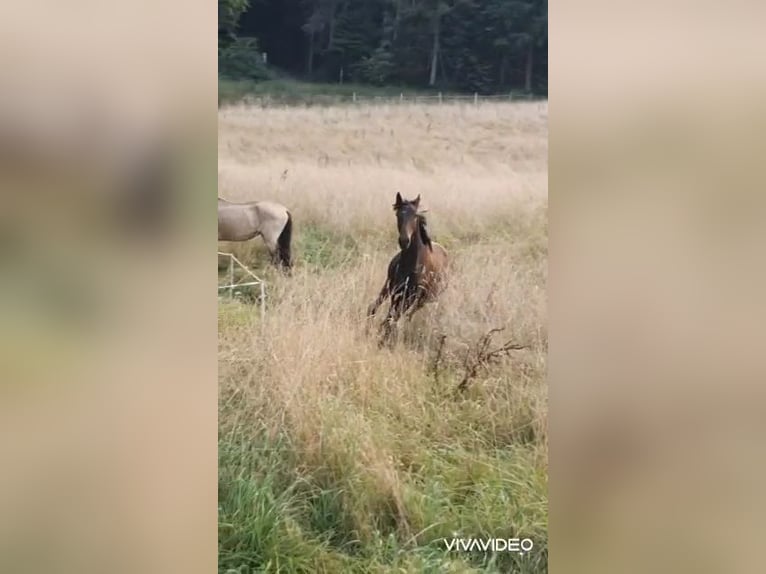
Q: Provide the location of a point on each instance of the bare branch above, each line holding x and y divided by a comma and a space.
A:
482, 356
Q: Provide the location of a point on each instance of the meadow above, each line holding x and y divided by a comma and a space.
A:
336, 455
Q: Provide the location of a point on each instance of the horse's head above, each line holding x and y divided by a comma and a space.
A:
406, 219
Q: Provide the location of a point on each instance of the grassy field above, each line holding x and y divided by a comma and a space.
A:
338, 456
288, 91
294, 91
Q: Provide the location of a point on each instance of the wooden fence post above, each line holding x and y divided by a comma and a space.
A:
475, 98
353, 97
440, 97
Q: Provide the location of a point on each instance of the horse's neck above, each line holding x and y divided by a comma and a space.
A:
411, 255
424, 237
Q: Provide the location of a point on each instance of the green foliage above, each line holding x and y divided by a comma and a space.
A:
378, 68
229, 13
472, 74
285, 91
242, 59
484, 46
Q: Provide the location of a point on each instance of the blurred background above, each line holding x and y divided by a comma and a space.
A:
107, 366
107, 405
656, 287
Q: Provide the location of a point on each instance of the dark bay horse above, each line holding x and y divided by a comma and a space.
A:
272, 221
417, 274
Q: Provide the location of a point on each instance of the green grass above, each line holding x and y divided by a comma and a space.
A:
462, 471
336, 455
323, 248
288, 91
276, 516
317, 247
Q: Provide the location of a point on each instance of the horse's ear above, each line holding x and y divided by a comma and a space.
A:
398, 202
416, 201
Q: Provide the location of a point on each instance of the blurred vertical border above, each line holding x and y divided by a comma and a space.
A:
108, 387
656, 286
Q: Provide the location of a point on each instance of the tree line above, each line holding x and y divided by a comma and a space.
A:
485, 46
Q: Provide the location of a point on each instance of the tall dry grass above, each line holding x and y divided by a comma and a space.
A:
337, 455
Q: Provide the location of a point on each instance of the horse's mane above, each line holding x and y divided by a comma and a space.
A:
422, 223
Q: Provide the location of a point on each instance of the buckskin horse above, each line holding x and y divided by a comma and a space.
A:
417, 274
272, 221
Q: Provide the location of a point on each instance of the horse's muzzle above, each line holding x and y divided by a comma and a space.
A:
404, 242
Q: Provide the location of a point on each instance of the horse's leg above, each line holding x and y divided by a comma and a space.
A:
387, 328
271, 245
399, 304
419, 302
373, 307
275, 255
269, 232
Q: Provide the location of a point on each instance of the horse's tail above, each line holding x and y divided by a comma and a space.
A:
283, 243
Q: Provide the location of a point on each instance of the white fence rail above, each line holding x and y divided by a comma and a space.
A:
354, 98
233, 283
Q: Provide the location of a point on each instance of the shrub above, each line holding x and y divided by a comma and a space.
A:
241, 59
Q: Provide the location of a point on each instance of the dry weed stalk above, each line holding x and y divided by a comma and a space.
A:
436, 363
481, 356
